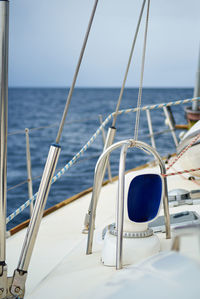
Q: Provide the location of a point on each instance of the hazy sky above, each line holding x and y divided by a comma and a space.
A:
46, 37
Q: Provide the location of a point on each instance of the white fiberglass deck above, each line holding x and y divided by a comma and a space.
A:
59, 266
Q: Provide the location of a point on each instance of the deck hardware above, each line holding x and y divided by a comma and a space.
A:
176, 220
178, 194
18, 283
195, 194
184, 230
113, 231
142, 234
3, 280
179, 197
126, 144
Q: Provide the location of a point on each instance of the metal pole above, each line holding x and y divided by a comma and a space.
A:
104, 141
29, 172
95, 193
120, 207
20, 274
150, 128
109, 141
195, 105
170, 125
4, 28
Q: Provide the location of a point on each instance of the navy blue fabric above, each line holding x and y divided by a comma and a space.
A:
144, 197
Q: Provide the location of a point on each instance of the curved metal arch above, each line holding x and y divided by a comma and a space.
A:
93, 205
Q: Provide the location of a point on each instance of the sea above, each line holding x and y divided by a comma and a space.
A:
40, 110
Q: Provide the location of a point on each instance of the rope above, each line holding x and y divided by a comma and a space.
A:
89, 143
180, 172
142, 76
159, 106
17, 185
128, 65
63, 170
152, 107
185, 178
88, 158
183, 151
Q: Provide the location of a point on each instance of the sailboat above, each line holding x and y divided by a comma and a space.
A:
137, 236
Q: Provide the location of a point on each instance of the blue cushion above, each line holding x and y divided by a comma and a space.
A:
144, 197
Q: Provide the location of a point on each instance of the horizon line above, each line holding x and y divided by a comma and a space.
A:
107, 87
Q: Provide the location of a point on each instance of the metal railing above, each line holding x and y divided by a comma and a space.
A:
125, 144
151, 134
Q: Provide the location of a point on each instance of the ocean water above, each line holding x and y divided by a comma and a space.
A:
40, 110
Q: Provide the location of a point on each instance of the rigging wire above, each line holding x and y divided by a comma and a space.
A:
76, 74
142, 75
128, 65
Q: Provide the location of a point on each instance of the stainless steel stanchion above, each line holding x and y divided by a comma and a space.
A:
29, 172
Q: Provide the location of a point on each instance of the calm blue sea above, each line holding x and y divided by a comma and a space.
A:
42, 107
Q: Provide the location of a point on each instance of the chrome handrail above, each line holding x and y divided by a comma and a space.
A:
120, 201
120, 206
93, 205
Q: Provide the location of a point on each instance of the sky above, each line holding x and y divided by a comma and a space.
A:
46, 37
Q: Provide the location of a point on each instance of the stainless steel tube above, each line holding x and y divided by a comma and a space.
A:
20, 274
120, 202
29, 172
95, 194
165, 196
120, 207
40, 203
150, 128
195, 105
171, 126
104, 142
109, 141
4, 19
